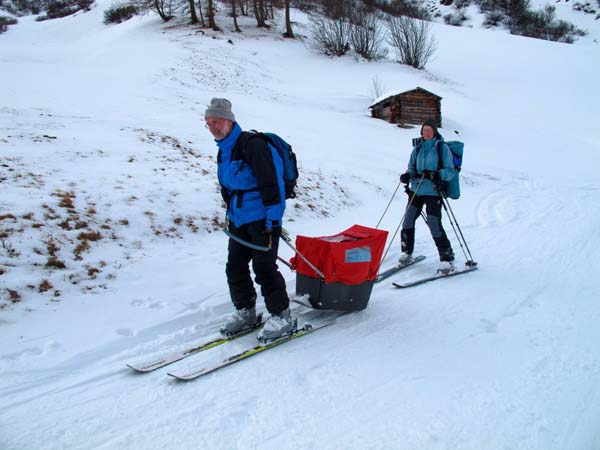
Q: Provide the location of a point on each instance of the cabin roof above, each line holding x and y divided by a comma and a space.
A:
387, 96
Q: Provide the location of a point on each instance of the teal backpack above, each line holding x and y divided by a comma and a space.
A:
452, 187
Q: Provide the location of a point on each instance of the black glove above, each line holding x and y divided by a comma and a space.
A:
432, 175
273, 231
440, 185
405, 178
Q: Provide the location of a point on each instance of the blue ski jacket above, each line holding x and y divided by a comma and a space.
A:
250, 173
424, 156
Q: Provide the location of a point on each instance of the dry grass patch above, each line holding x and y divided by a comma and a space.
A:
55, 263
66, 199
13, 296
83, 246
89, 236
45, 286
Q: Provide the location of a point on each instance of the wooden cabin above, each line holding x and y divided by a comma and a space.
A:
410, 107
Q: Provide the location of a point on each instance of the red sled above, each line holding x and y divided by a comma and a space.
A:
338, 272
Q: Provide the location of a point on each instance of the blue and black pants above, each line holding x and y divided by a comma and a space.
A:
433, 208
264, 266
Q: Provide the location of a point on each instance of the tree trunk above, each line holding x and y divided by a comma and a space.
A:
234, 15
201, 15
243, 11
259, 13
160, 10
211, 16
193, 14
288, 24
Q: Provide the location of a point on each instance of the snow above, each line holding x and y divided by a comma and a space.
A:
110, 118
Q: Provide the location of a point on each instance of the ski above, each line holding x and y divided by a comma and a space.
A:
388, 273
435, 277
196, 373
300, 302
178, 356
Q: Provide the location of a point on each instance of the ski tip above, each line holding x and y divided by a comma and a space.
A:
142, 369
177, 377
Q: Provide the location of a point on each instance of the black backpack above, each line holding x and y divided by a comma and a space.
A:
288, 158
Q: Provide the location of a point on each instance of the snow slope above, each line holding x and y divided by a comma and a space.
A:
108, 123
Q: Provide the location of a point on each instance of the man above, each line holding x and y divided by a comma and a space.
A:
425, 177
251, 177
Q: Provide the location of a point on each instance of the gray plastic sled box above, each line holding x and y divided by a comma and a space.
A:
335, 296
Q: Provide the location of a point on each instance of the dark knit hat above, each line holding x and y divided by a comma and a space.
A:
433, 124
220, 108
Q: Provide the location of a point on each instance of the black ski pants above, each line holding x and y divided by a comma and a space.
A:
433, 208
264, 265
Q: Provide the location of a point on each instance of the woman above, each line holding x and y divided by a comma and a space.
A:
429, 166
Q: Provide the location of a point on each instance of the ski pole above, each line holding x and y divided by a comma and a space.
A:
255, 247
461, 239
403, 216
246, 243
388, 205
286, 238
285, 262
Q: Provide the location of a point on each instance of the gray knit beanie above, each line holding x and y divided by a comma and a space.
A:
220, 108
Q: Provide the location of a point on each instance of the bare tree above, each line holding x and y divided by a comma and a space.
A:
412, 41
201, 15
234, 15
244, 7
210, 13
366, 37
339, 9
164, 9
260, 13
377, 88
193, 14
288, 24
331, 36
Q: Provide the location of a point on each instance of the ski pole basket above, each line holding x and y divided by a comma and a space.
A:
347, 264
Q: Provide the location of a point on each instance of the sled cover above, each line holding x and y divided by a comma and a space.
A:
350, 257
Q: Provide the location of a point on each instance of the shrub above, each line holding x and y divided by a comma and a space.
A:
331, 36
412, 41
377, 89
119, 13
5, 22
456, 19
366, 38
60, 8
523, 21
335, 9
493, 19
542, 24
307, 6
397, 8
